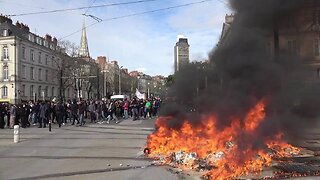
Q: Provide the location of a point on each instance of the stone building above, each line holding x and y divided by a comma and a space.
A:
296, 34
181, 53
29, 64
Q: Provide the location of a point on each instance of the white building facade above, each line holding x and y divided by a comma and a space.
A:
29, 64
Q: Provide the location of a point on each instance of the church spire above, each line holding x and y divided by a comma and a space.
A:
84, 49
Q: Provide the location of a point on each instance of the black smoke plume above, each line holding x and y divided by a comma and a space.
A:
241, 72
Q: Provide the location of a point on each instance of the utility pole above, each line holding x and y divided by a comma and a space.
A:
120, 80
98, 88
104, 84
61, 85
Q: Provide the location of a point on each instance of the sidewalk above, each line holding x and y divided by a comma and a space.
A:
95, 151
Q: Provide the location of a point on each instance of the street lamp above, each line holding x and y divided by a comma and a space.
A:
138, 83
148, 90
120, 79
105, 88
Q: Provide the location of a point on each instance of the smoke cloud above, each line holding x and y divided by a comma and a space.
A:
241, 72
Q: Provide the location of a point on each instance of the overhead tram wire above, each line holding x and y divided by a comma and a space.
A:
89, 7
140, 13
89, 15
80, 8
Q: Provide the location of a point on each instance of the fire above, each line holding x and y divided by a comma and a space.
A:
229, 151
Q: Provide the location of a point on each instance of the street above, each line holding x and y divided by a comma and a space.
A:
96, 151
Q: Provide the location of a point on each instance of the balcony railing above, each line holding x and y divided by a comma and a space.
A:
5, 79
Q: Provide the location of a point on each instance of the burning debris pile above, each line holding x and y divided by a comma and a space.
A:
218, 153
248, 102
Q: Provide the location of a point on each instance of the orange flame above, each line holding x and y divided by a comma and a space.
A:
220, 147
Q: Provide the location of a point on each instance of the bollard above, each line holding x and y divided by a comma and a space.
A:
16, 133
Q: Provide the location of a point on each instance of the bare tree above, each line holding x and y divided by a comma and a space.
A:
64, 59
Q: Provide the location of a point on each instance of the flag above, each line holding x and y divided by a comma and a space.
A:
140, 95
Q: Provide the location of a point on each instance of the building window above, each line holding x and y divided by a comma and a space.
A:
31, 91
39, 57
46, 93
52, 92
68, 93
5, 73
46, 75
46, 59
53, 76
23, 91
316, 47
52, 61
31, 55
31, 38
40, 92
292, 47
23, 72
40, 74
32, 73
5, 54
23, 52
4, 91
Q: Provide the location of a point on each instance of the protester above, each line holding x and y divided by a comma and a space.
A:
41, 113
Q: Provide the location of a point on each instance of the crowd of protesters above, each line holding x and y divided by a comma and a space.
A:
76, 112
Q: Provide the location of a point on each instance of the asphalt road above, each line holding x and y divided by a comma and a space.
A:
96, 151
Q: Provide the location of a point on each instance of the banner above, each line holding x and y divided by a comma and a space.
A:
140, 95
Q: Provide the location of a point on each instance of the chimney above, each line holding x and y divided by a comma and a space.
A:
114, 62
27, 28
5, 19
55, 41
102, 60
48, 38
18, 25
2, 19
24, 27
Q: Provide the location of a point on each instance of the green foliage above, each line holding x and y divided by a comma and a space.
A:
170, 80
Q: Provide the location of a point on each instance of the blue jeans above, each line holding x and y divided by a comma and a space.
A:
125, 114
82, 119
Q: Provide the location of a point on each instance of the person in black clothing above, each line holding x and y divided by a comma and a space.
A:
104, 109
7, 108
59, 111
82, 109
24, 114
53, 113
2, 114
65, 114
48, 113
74, 111
37, 113
141, 107
135, 109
